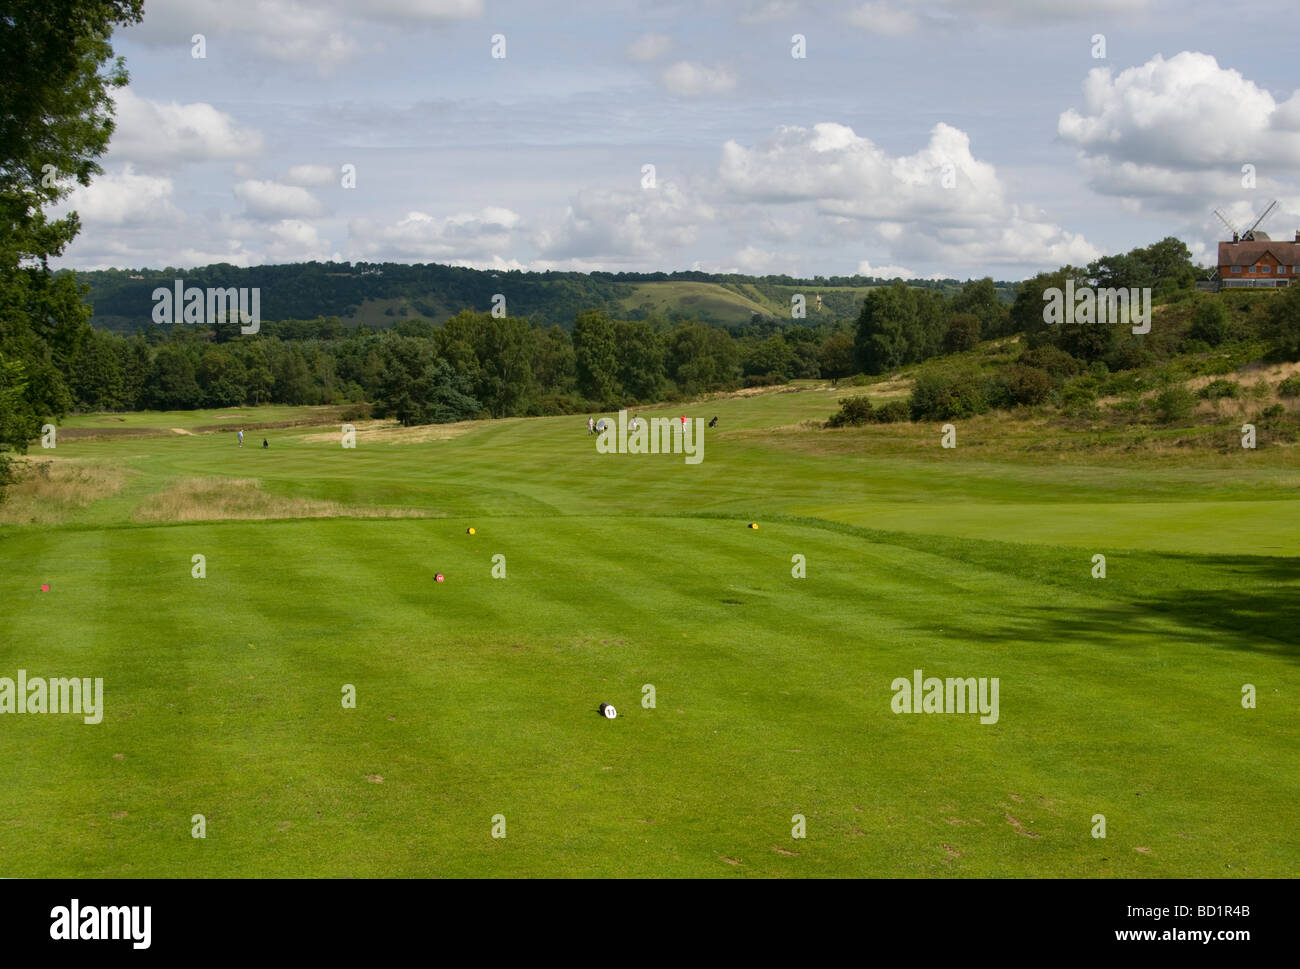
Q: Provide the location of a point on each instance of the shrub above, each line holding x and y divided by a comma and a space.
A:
1175, 404
1210, 323
893, 412
765, 380
357, 412
1289, 387
963, 333
947, 395
1028, 385
1054, 360
553, 405
853, 411
1082, 391
1218, 389
1129, 355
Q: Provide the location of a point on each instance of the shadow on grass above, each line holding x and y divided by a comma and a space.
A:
1244, 602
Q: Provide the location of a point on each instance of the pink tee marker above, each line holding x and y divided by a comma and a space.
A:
46, 587
438, 577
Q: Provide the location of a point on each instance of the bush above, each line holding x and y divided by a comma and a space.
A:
765, 380
1028, 385
1129, 355
893, 412
1054, 360
1289, 387
1210, 322
1085, 390
1218, 389
1175, 404
947, 395
853, 411
963, 333
357, 412
558, 405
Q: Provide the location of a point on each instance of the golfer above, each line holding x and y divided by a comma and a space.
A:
241, 438
591, 425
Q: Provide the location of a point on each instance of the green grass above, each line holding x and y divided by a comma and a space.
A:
477, 696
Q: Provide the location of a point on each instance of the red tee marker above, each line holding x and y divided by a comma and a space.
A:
438, 577
46, 587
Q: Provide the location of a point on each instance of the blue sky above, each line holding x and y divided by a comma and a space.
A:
941, 137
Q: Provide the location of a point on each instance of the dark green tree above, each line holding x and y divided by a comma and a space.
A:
595, 348
55, 122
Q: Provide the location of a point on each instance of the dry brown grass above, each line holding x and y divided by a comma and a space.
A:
217, 499
48, 490
391, 432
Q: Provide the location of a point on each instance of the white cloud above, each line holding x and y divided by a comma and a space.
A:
1043, 11
124, 198
892, 19
310, 175
624, 226
649, 47
234, 254
421, 11
461, 238
1173, 135
846, 174
766, 11
886, 272
322, 34
906, 198
884, 19
289, 31
686, 79
158, 133
292, 240
1183, 113
270, 200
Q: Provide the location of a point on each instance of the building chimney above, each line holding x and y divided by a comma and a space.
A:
1237, 238
1297, 235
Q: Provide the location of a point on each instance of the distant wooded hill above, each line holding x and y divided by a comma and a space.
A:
383, 294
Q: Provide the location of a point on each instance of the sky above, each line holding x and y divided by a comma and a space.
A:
935, 138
